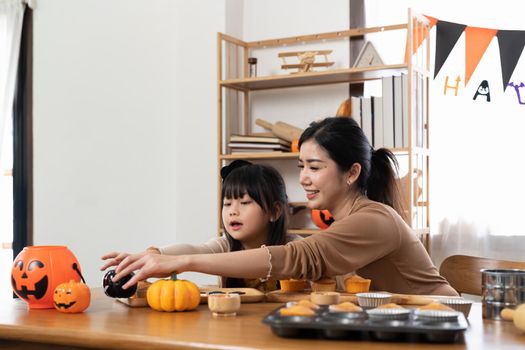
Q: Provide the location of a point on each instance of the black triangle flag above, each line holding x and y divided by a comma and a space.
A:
511, 44
447, 35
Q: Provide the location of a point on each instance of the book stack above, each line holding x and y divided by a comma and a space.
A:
257, 144
384, 119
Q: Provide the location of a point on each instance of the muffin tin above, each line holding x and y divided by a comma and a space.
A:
368, 325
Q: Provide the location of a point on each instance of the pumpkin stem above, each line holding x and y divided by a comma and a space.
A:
75, 267
174, 276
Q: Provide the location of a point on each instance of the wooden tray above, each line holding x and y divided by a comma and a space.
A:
401, 299
134, 302
248, 295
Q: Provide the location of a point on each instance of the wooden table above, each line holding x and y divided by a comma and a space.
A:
111, 325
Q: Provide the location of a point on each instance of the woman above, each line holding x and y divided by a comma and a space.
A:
342, 173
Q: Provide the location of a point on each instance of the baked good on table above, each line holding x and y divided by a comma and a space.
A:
345, 307
292, 285
297, 310
357, 284
307, 303
436, 306
324, 285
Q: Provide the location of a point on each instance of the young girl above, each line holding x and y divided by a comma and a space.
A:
341, 172
254, 213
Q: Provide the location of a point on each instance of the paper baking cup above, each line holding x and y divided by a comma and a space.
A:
373, 299
388, 314
457, 304
436, 315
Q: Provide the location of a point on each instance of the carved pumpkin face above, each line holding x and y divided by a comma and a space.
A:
322, 218
32, 278
38, 270
71, 297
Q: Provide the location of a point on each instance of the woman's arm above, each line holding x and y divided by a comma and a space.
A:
253, 263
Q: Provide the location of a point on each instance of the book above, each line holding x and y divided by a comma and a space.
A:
388, 111
366, 119
356, 109
259, 139
377, 118
404, 96
269, 146
254, 150
398, 111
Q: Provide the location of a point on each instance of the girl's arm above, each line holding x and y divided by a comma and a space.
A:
253, 263
214, 245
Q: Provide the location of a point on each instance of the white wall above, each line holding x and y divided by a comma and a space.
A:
125, 116
124, 124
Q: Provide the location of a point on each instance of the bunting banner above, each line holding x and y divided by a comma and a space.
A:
476, 42
447, 35
511, 44
419, 33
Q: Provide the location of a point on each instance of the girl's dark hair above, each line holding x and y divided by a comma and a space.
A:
346, 144
266, 187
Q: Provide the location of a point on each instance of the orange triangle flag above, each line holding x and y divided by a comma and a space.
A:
476, 42
418, 35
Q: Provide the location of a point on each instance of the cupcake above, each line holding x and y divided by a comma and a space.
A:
345, 307
436, 315
357, 284
307, 303
324, 285
292, 285
390, 306
435, 306
458, 304
297, 310
378, 314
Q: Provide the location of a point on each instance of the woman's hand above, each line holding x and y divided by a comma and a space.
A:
149, 265
116, 257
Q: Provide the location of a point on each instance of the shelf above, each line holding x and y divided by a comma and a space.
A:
269, 155
284, 155
332, 76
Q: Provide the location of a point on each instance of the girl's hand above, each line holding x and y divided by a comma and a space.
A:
116, 257
149, 265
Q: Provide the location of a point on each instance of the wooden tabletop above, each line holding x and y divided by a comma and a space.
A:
112, 325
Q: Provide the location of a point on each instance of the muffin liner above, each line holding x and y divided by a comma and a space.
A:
371, 300
436, 315
458, 304
388, 314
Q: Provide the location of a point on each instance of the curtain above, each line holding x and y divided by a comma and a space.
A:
11, 18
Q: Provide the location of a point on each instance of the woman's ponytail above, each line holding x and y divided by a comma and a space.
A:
382, 185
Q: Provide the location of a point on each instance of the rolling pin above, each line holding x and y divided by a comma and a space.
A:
280, 129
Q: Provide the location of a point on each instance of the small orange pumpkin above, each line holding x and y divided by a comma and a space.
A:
322, 218
72, 297
173, 295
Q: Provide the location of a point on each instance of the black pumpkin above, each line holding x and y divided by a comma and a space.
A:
114, 289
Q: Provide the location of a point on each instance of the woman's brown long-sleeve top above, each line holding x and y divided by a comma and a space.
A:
372, 240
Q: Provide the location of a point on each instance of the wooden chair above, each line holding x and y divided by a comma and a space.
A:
463, 272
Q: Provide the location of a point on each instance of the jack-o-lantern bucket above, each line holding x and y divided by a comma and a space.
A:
38, 270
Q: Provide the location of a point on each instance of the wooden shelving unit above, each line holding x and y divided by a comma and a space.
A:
417, 69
